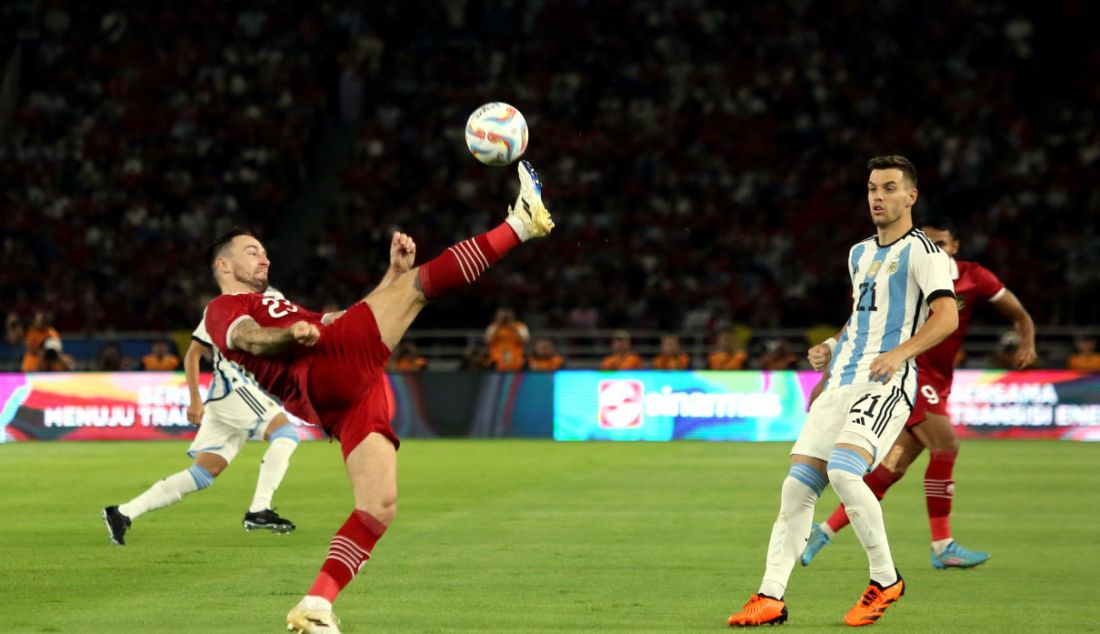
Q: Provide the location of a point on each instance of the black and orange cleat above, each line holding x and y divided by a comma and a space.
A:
874, 602
760, 610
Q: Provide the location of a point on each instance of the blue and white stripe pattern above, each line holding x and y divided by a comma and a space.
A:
892, 286
809, 476
288, 431
844, 459
202, 477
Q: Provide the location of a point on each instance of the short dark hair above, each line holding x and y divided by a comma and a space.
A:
943, 223
222, 241
898, 161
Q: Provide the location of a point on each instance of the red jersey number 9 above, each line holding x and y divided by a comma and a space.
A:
930, 394
278, 307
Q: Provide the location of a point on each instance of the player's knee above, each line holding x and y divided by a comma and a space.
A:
211, 467
383, 511
801, 477
285, 431
202, 476
945, 445
846, 466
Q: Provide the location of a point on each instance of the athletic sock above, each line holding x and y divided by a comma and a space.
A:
846, 471
168, 491
349, 549
836, 521
939, 489
272, 469
801, 489
880, 480
460, 265
941, 545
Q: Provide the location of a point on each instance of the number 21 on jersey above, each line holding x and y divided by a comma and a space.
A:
866, 297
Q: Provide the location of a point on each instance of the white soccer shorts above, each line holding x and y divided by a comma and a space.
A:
869, 415
230, 421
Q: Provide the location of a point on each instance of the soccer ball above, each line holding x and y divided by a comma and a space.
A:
496, 134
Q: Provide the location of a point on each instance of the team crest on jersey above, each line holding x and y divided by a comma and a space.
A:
873, 269
893, 268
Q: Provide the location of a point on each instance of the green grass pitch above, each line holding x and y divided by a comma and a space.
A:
533, 536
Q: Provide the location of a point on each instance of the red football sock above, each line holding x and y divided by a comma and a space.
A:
461, 264
880, 480
349, 549
939, 488
839, 519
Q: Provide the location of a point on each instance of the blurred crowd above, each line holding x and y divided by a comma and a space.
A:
141, 130
704, 160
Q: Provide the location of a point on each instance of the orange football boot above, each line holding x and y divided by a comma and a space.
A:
760, 610
874, 602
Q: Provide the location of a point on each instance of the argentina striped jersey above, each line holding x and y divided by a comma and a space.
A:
892, 286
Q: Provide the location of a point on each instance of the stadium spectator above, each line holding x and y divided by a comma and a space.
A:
477, 358
160, 359
407, 360
507, 339
544, 358
727, 353
54, 358
14, 332
622, 357
38, 333
671, 356
778, 356
1085, 358
111, 359
142, 154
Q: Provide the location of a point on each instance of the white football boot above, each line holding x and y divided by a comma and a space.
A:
529, 217
313, 615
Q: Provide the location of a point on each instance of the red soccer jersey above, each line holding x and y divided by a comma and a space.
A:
973, 283
283, 374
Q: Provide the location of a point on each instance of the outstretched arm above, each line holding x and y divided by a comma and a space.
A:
943, 322
1010, 306
250, 337
191, 359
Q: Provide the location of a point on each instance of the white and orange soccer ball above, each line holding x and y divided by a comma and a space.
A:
496, 134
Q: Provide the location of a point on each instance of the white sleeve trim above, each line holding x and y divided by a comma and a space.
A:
229, 331
998, 295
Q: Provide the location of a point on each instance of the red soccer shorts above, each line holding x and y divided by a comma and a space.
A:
347, 381
932, 393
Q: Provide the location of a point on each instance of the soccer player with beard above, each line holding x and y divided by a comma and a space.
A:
329, 368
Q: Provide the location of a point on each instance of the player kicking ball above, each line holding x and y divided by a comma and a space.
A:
897, 275
235, 409
330, 368
929, 425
